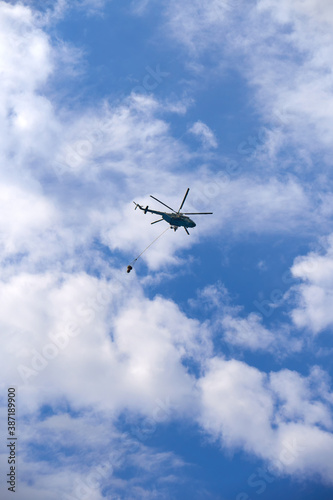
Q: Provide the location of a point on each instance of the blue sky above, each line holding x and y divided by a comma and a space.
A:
205, 373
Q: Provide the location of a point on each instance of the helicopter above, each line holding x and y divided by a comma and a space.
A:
175, 219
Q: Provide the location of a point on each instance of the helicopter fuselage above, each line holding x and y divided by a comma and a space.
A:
178, 220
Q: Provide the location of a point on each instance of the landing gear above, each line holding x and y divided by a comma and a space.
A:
174, 228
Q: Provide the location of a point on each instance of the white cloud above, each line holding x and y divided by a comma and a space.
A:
196, 23
50, 11
27, 63
126, 138
314, 10
248, 332
283, 49
85, 455
99, 348
204, 133
114, 348
297, 397
236, 405
24, 216
245, 408
295, 90
245, 332
314, 296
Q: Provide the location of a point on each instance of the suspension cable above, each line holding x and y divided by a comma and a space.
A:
130, 266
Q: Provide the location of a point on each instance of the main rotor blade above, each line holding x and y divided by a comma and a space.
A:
186, 230
163, 203
159, 220
183, 200
197, 213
